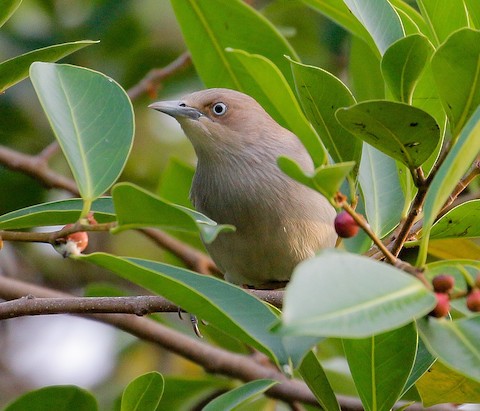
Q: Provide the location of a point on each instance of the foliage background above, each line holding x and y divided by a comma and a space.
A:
135, 36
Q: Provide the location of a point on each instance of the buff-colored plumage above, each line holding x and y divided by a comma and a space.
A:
279, 221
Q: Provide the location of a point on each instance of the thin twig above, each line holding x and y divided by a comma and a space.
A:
153, 79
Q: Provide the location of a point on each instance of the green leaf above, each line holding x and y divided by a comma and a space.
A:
211, 26
263, 81
325, 179
423, 362
7, 8
443, 385
239, 395
210, 299
473, 8
461, 221
366, 78
455, 343
412, 21
136, 207
456, 70
314, 376
448, 175
403, 63
321, 94
16, 69
92, 118
143, 393
337, 294
56, 213
380, 19
403, 132
338, 12
184, 393
58, 398
443, 18
380, 365
381, 190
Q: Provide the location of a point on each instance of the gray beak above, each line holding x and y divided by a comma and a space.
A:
176, 109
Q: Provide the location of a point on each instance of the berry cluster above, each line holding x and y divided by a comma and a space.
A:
443, 285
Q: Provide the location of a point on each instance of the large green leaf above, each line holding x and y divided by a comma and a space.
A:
314, 376
461, 221
143, 393
321, 94
455, 343
456, 70
16, 69
7, 8
92, 118
339, 294
136, 207
443, 18
401, 131
381, 190
448, 175
338, 12
380, 365
380, 19
240, 395
403, 63
262, 80
247, 319
211, 26
58, 398
443, 385
56, 213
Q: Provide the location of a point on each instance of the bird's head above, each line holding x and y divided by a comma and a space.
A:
220, 118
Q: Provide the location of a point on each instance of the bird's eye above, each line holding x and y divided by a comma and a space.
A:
219, 109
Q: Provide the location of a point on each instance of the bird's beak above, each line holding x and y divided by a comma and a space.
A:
177, 109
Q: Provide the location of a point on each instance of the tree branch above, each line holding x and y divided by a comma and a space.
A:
153, 79
138, 305
37, 168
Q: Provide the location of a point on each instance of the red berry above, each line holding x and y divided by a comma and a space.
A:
345, 225
443, 306
443, 283
473, 301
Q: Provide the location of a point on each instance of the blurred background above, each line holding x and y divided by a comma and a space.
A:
135, 37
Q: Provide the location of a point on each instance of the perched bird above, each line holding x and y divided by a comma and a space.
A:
279, 222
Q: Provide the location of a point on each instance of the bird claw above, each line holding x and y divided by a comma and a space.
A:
194, 321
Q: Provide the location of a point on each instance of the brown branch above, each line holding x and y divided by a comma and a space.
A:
37, 168
153, 79
461, 186
138, 305
195, 259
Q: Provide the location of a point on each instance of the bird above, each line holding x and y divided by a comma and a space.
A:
279, 222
